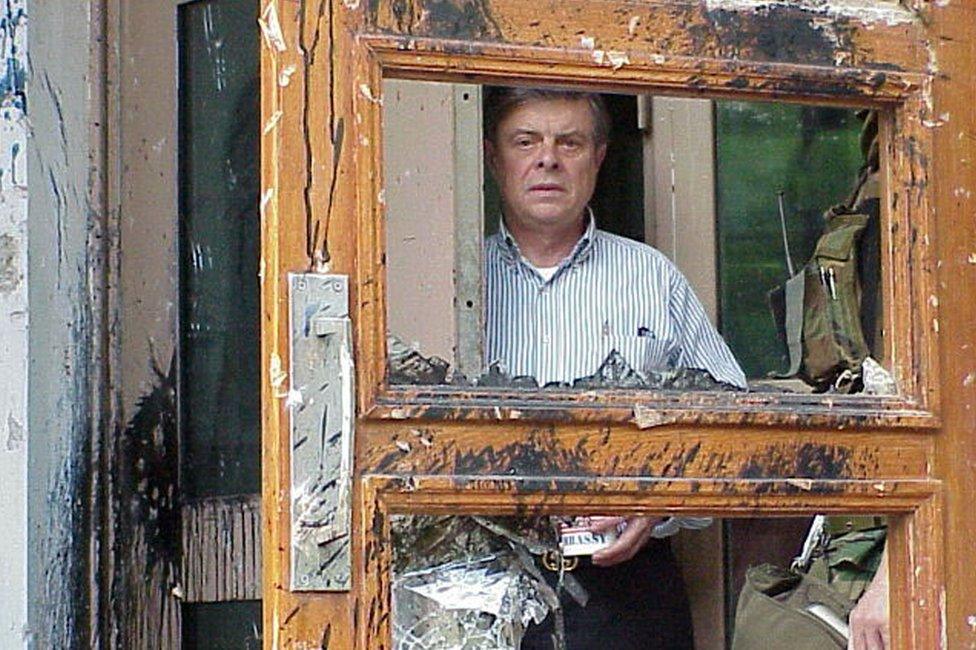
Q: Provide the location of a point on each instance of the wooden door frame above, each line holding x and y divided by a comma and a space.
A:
899, 96
322, 210
163, 552
912, 516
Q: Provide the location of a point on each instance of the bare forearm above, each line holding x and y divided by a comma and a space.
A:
869, 619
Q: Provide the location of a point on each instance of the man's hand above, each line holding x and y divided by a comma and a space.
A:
635, 533
869, 619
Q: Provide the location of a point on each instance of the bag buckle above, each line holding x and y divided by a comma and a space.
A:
556, 561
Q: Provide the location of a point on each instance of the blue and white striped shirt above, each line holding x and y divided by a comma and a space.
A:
609, 293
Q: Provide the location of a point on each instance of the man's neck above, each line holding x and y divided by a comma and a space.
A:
546, 247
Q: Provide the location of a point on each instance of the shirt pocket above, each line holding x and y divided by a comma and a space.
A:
643, 353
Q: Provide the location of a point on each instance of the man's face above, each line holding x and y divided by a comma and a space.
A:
545, 159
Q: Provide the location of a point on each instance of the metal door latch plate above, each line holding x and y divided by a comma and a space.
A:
322, 420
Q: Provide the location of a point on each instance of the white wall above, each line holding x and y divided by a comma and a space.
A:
13, 326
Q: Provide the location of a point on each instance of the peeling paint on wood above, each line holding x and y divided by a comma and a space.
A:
15, 434
271, 28
701, 408
812, 33
11, 264
441, 450
866, 11
13, 79
645, 418
13, 300
619, 451
14, 321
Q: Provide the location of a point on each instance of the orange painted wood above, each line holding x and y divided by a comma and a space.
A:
953, 192
910, 456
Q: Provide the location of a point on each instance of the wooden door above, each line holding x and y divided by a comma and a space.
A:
503, 451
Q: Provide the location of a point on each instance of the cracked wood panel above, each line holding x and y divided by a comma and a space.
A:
916, 507
221, 549
321, 182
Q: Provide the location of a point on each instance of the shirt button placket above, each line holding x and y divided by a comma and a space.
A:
545, 360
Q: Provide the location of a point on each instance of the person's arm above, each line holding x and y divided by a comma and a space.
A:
869, 618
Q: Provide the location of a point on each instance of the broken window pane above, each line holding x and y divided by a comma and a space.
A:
762, 221
505, 582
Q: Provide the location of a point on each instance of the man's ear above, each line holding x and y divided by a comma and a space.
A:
601, 153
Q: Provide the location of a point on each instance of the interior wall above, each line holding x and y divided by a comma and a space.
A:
418, 173
683, 197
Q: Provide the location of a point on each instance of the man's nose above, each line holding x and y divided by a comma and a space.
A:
548, 158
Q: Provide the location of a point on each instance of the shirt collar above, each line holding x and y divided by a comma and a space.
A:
582, 249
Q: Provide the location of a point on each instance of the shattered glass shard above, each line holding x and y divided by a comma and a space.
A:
461, 583
497, 377
877, 380
687, 379
467, 582
467, 605
407, 366
614, 371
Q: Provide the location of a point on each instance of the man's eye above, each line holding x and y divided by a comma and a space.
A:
572, 145
523, 142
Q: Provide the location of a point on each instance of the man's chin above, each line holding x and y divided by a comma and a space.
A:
546, 216
551, 213
548, 219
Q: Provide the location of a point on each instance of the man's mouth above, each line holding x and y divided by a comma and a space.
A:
546, 187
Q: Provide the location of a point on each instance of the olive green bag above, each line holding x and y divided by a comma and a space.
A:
819, 309
806, 606
785, 608
828, 314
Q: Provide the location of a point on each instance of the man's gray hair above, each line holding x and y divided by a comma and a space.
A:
500, 101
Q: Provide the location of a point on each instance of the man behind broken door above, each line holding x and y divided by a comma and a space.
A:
565, 299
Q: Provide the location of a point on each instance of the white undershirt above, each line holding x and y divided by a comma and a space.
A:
546, 271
